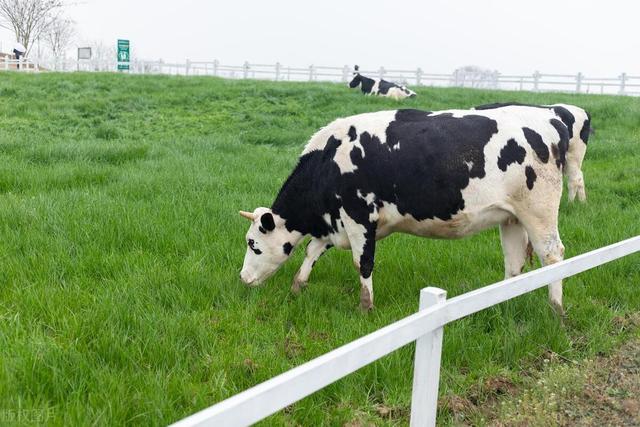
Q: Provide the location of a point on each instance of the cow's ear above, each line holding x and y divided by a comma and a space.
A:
267, 222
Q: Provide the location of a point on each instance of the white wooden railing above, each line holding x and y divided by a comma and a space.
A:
425, 327
624, 84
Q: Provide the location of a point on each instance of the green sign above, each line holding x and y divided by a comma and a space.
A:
123, 54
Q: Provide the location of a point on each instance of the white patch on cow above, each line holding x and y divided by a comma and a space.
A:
327, 219
469, 164
375, 88
396, 146
369, 197
396, 93
373, 123
343, 158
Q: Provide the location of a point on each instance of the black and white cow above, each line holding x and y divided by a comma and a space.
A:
379, 87
446, 174
578, 122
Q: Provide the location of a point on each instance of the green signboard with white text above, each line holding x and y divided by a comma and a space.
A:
123, 54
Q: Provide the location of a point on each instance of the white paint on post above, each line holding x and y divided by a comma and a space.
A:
426, 369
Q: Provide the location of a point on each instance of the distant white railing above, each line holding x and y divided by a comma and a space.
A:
425, 327
623, 84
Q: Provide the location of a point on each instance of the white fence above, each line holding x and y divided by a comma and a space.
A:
623, 84
425, 327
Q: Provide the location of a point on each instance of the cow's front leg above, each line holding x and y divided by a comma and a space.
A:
363, 246
315, 249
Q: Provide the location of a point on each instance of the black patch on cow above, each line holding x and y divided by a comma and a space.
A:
266, 220
535, 141
305, 198
511, 153
563, 144
586, 130
367, 259
567, 118
411, 115
384, 86
366, 84
531, 176
332, 145
352, 133
425, 179
287, 248
262, 230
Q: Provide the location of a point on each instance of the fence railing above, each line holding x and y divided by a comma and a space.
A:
425, 327
624, 84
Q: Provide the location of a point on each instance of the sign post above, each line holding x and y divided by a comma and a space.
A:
123, 55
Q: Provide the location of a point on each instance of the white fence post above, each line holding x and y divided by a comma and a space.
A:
278, 71
245, 70
381, 72
186, 67
311, 72
419, 76
623, 82
426, 370
578, 82
6, 63
345, 73
536, 80
216, 64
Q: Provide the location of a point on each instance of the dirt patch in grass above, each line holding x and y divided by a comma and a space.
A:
604, 391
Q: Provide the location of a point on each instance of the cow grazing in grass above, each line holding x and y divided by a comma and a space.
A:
379, 87
446, 174
578, 122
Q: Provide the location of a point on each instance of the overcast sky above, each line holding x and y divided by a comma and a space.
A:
554, 36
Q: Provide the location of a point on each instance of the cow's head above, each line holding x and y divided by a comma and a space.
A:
269, 245
356, 80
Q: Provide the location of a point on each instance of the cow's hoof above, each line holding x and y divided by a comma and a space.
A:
582, 196
366, 302
298, 285
365, 308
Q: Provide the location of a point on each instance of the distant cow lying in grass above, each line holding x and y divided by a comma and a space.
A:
445, 174
578, 123
379, 87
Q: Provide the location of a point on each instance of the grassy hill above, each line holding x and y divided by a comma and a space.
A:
120, 248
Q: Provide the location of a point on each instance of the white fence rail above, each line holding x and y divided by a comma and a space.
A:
623, 84
425, 327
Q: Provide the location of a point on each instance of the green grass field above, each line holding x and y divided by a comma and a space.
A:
120, 245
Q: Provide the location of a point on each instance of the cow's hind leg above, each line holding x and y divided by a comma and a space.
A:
573, 171
314, 251
514, 247
547, 244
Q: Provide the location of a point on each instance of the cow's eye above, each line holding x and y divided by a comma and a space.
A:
252, 242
